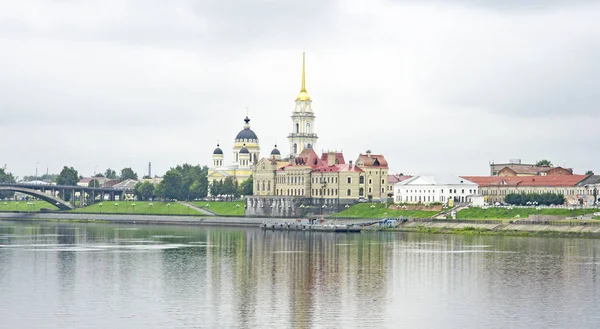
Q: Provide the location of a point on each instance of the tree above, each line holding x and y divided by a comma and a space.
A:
170, 187
6, 177
216, 187
111, 174
144, 191
128, 173
589, 172
67, 176
99, 175
229, 187
543, 163
247, 186
94, 183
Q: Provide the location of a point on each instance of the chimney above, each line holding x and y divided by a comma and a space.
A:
150, 169
330, 158
368, 153
350, 164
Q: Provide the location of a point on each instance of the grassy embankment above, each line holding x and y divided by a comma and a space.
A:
482, 231
138, 207
379, 210
26, 206
224, 208
523, 213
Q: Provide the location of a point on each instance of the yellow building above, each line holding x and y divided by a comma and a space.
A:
246, 152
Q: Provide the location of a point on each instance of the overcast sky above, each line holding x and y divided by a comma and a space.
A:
436, 86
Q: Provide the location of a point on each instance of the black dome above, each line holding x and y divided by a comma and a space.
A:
244, 150
275, 151
246, 133
218, 150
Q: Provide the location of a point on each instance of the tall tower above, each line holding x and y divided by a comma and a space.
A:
303, 118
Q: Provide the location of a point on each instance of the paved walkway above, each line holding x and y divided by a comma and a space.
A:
198, 209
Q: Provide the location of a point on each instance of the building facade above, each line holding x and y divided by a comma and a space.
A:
495, 188
246, 152
514, 167
439, 188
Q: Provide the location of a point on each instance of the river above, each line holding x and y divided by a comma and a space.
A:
56, 275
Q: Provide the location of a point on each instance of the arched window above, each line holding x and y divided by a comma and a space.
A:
361, 180
361, 192
349, 180
295, 148
308, 128
297, 127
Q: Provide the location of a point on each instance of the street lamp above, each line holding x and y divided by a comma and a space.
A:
100, 205
116, 205
132, 207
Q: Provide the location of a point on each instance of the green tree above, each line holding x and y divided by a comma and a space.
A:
111, 174
68, 176
216, 187
94, 183
543, 163
589, 172
128, 173
171, 185
144, 191
6, 177
229, 187
99, 175
247, 186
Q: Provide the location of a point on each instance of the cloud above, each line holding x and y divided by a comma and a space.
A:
435, 86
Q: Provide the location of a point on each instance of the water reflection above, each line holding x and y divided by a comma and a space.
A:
100, 276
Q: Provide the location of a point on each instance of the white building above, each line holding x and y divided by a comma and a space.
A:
428, 188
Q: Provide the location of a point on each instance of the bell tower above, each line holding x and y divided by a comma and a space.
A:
303, 130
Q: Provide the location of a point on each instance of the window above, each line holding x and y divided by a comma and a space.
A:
370, 181
297, 127
369, 190
361, 191
361, 180
295, 148
348, 192
382, 181
382, 190
308, 128
349, 180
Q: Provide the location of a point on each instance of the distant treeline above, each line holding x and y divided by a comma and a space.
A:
528, 199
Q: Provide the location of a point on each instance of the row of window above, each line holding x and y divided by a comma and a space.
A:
430, 198
471, 191
485, 191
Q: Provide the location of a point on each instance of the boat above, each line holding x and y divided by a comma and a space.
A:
338, 228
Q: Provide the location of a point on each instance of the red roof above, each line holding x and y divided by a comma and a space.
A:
393, 179
372, 160
338, 156
533, 181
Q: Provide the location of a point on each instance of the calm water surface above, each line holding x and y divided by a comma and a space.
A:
108, 276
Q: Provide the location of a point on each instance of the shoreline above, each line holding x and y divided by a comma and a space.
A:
433, 227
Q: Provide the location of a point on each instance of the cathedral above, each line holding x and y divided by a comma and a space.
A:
303, 176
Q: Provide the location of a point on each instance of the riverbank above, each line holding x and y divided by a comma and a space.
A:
510, 229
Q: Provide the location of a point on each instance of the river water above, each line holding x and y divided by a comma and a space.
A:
55, 275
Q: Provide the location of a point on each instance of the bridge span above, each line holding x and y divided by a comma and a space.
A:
55, 194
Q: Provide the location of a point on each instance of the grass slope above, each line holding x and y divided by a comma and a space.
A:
505, 213
138, 207
26, 205
364, 210
225, 208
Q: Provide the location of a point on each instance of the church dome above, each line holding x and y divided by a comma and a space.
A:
246, 133
218, 150
275, 151
244, 150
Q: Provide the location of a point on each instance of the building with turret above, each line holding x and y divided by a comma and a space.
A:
246, 152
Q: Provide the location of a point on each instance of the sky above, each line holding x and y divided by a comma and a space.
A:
435, 86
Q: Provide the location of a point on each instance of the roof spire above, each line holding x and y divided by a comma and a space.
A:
303, 72
303, 95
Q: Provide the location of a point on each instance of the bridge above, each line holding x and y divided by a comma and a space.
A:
55, 194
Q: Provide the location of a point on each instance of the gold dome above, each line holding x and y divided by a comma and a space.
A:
303, 96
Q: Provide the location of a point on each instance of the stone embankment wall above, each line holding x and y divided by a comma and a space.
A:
544, 228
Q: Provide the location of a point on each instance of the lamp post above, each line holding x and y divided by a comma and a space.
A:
132, 207
100, 206
36, 170
115, 206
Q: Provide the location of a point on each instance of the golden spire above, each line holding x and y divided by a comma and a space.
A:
303, 95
